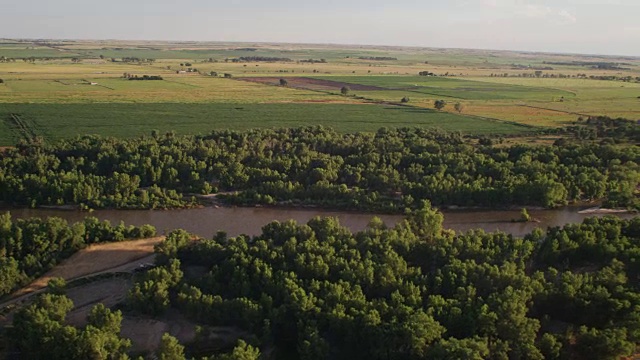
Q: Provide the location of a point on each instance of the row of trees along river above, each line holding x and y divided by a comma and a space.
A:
388, 171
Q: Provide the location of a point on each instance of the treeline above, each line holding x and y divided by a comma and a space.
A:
605, 129
314, 61
538, 74
627, 78
261, 59
30, 247
145, 77
591, 64
529, 67
131, 59
386, 171
414, 291
4, 59
377, 58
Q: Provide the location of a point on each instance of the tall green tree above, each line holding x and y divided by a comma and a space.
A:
170, 348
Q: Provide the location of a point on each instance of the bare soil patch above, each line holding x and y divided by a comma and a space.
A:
312, 84
113, 257
108, 292
599, 210
146, 333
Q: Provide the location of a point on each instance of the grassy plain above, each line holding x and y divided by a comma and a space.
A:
54, 98
592, 97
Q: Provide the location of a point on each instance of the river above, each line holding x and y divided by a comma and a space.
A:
247, 220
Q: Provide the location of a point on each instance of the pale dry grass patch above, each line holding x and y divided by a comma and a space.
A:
96, 259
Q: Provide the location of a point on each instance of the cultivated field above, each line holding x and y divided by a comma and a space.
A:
611, 98
126, 120
67, 88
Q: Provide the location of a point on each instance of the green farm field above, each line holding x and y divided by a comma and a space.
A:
591, 97
59, 121
7, 136
537, 102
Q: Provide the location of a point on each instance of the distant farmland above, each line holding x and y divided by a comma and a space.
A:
67, 88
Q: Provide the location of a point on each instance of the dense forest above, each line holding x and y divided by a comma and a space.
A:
414, 291
317, 291
388, 171
30, 247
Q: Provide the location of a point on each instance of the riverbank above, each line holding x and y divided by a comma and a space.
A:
603, 211
217, 200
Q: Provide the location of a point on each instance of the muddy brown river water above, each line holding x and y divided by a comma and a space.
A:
237, 220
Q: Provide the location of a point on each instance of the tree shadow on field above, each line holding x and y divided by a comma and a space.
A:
412, 110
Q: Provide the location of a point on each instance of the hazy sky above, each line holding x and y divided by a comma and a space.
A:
578, 26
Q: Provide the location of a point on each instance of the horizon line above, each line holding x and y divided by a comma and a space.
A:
544, 52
